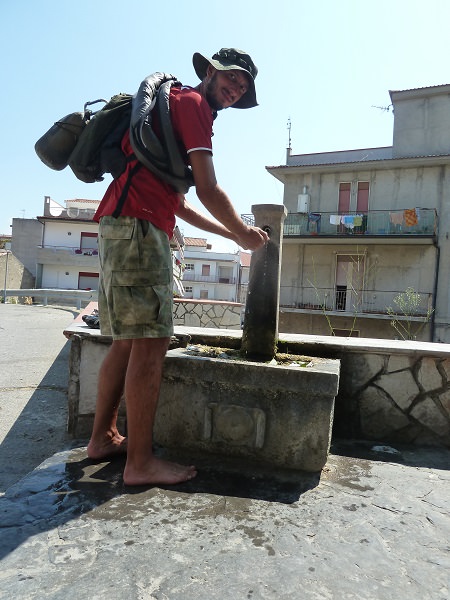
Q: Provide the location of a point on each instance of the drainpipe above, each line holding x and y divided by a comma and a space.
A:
435, 288
6, 277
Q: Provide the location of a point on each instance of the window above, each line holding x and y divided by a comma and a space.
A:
354, 199
347, 194
87, 281
206, 270
225, 274
203, 294
189, 267
362, 198
88, 241
344, 197
188, 289
349, 282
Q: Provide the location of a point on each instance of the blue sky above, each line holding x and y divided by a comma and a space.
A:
324, 65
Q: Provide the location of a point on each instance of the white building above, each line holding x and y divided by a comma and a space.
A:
212, 275
67, 258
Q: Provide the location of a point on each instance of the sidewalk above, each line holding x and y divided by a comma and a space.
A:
375, 525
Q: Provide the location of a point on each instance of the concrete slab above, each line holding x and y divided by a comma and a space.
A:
34, 360
367, 529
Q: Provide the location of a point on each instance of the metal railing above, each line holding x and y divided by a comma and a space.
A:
191, 276
376, 222
71, 250
346, 300
78, 295
411, 221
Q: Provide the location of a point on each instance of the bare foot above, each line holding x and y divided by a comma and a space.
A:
159, 471
107, 448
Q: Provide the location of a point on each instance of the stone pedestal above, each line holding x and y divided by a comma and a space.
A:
260, 335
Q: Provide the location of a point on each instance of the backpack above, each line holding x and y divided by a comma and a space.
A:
98, 148
90, 142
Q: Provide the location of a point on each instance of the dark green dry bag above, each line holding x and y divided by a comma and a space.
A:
98, 148
56, 145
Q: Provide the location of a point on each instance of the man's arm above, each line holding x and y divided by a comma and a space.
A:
194, 217
216, 201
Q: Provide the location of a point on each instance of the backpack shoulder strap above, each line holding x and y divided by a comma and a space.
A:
161, 157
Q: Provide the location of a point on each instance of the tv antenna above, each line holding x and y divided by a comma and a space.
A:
384, 108
289, 126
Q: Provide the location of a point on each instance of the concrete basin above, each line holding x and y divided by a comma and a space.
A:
276, 414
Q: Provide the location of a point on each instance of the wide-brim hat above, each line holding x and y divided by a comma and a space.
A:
226, 60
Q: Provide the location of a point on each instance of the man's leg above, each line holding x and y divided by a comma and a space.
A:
142, 386
106, 439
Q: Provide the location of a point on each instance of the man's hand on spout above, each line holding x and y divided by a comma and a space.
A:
252, 239
216, 201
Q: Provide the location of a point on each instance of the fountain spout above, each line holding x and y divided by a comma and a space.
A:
260, 334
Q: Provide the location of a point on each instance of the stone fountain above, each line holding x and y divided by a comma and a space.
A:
254, 408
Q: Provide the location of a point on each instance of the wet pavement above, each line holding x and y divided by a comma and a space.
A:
374, 524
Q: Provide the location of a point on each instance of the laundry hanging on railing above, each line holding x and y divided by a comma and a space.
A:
410, 216
396, 218
349, 221
314, 218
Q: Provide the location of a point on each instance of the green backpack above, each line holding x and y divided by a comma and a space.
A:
90, 142
98, 149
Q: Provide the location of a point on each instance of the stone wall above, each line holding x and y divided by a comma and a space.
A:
207, 313
396, 398
17, 275
390, 390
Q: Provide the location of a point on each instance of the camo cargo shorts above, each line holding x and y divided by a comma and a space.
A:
135, 294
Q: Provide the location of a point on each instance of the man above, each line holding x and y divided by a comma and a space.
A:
135, 295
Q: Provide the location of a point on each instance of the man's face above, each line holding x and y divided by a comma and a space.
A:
225, 88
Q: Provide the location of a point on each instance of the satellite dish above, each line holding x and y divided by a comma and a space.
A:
55, 208
73, 212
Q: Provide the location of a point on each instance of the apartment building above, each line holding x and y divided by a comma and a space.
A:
212, 275
368, 229
67, 257
60, 248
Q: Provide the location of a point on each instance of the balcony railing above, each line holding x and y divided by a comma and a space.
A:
342, 299
72, 250
413, 221
191, 276
376, 223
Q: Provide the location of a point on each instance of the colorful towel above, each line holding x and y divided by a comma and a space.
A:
410, 217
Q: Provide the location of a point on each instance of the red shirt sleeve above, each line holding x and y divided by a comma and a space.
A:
192, 119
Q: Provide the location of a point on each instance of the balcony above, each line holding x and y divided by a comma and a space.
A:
419, 223
66, 255
375, 223
344, 301
190, 276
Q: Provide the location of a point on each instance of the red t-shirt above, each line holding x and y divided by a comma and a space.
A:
149, 197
